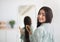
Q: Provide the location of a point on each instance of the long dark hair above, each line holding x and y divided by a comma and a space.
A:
49, 15
27, 21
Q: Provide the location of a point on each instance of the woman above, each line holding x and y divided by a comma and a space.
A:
44, 32
27, 30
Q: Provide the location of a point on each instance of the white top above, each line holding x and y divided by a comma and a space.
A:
44, 33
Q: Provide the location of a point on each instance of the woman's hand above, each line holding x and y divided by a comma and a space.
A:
28, 29
21, 30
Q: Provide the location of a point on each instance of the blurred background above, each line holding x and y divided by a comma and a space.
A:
12, 10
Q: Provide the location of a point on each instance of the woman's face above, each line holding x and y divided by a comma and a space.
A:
42, 16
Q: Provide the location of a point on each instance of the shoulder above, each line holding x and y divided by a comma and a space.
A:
49, 27
38, 30
44, 27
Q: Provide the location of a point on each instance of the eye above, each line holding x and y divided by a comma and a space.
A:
43, 14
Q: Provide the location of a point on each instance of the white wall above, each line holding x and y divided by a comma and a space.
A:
9, 10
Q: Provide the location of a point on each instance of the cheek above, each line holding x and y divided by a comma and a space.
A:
44, 18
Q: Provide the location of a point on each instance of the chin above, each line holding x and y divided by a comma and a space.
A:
41, 21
